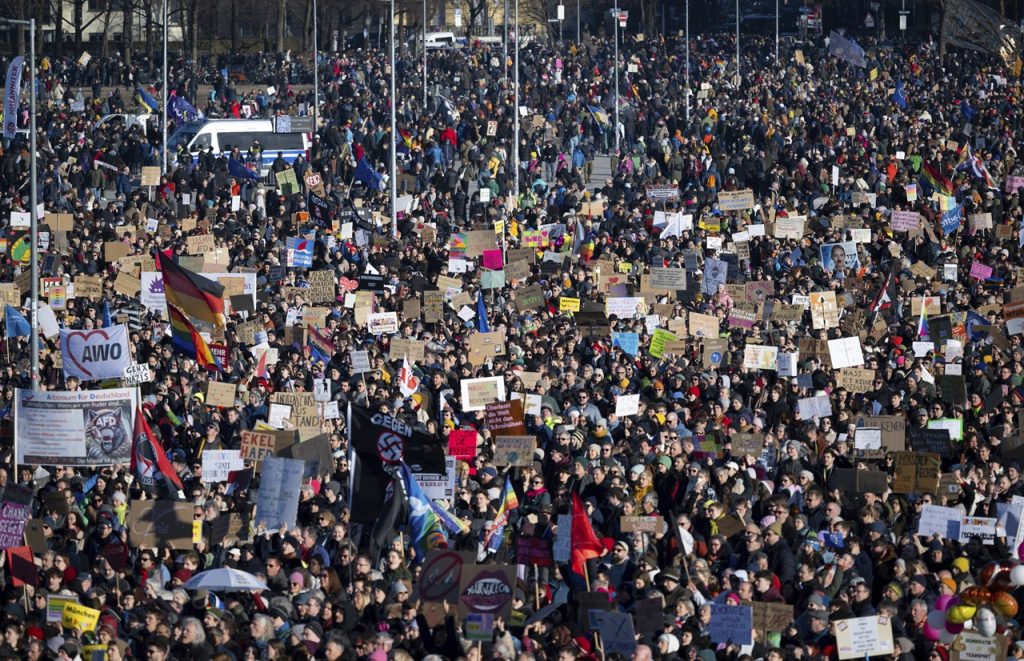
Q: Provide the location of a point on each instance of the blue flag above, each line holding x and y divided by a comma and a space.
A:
181, 110
17, 325
967, 111
146, 100
367, 175
899, 97
426, 530
238, 170
951, 219
107, 323
481, 314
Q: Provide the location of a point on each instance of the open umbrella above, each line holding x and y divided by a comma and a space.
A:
225, 578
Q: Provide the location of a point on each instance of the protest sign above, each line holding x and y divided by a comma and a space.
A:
514, 450
858, 481
441, 575
81, 428
649, 524
55, 606
478, 393
304, 414
220, 394
941, 521
533, 551
627, 405
15, 511
101, 353
975, 646
739, 200
617, 633
462, 443
278, 496
218, 464
77, 616
487, 589
862, 637
916, 472
982, 528
733, 625
160, 523
856, 379
769, 616
257, 445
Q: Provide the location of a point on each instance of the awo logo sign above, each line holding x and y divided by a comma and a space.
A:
101, 353
487, 592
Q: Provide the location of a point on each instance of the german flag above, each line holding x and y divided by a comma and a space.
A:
188, 341
193, 294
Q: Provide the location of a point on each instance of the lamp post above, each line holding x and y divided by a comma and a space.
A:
737, 42
316, 70
515, 109
776, 31
687, 97
163, 119
424, 55
394, 132
616, 100
33, 229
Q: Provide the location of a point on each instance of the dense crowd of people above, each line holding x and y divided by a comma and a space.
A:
744, 438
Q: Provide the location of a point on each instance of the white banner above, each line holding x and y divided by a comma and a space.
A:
436, 486
12, 96
81, 428
101, 353
218, 464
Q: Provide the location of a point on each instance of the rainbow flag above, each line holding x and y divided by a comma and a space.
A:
936, 180
453, 523
188, 341
194, 295
509, 502
922, 322
425, 527
320, 346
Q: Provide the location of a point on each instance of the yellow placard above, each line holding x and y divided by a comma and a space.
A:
197, 532
568, 304
77, 616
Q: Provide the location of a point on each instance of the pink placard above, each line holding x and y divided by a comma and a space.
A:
981, 271
493, 260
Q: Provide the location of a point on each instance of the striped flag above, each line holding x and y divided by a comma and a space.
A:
193, 294
186, 339
496, 535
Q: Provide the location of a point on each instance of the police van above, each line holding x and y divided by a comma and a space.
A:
289, 136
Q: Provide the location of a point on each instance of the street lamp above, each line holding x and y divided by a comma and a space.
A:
316, 70
687, 99
33, 228
616, 101
515, 109
394, 132
163, 120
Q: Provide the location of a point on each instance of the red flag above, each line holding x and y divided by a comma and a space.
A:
149, 461
585, 544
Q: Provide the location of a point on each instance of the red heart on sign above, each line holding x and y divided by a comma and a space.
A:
349, 285
84, 335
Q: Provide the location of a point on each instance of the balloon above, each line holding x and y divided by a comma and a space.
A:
931, 633
976, 595
1017, 575
985, 622
1020, 551
1000, 579
937, 620
946, 638
942, 602
954, 628
1004, 604
960, 613
987, 572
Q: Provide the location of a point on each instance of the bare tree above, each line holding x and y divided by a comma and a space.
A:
282, 23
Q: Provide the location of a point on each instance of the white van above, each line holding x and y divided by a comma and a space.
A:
226, 134
441, 40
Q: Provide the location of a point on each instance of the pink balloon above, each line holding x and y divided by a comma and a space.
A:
954, 628
952, 601
930, 633
1020, 551
942, 602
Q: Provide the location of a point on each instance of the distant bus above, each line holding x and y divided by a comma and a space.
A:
225, 134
